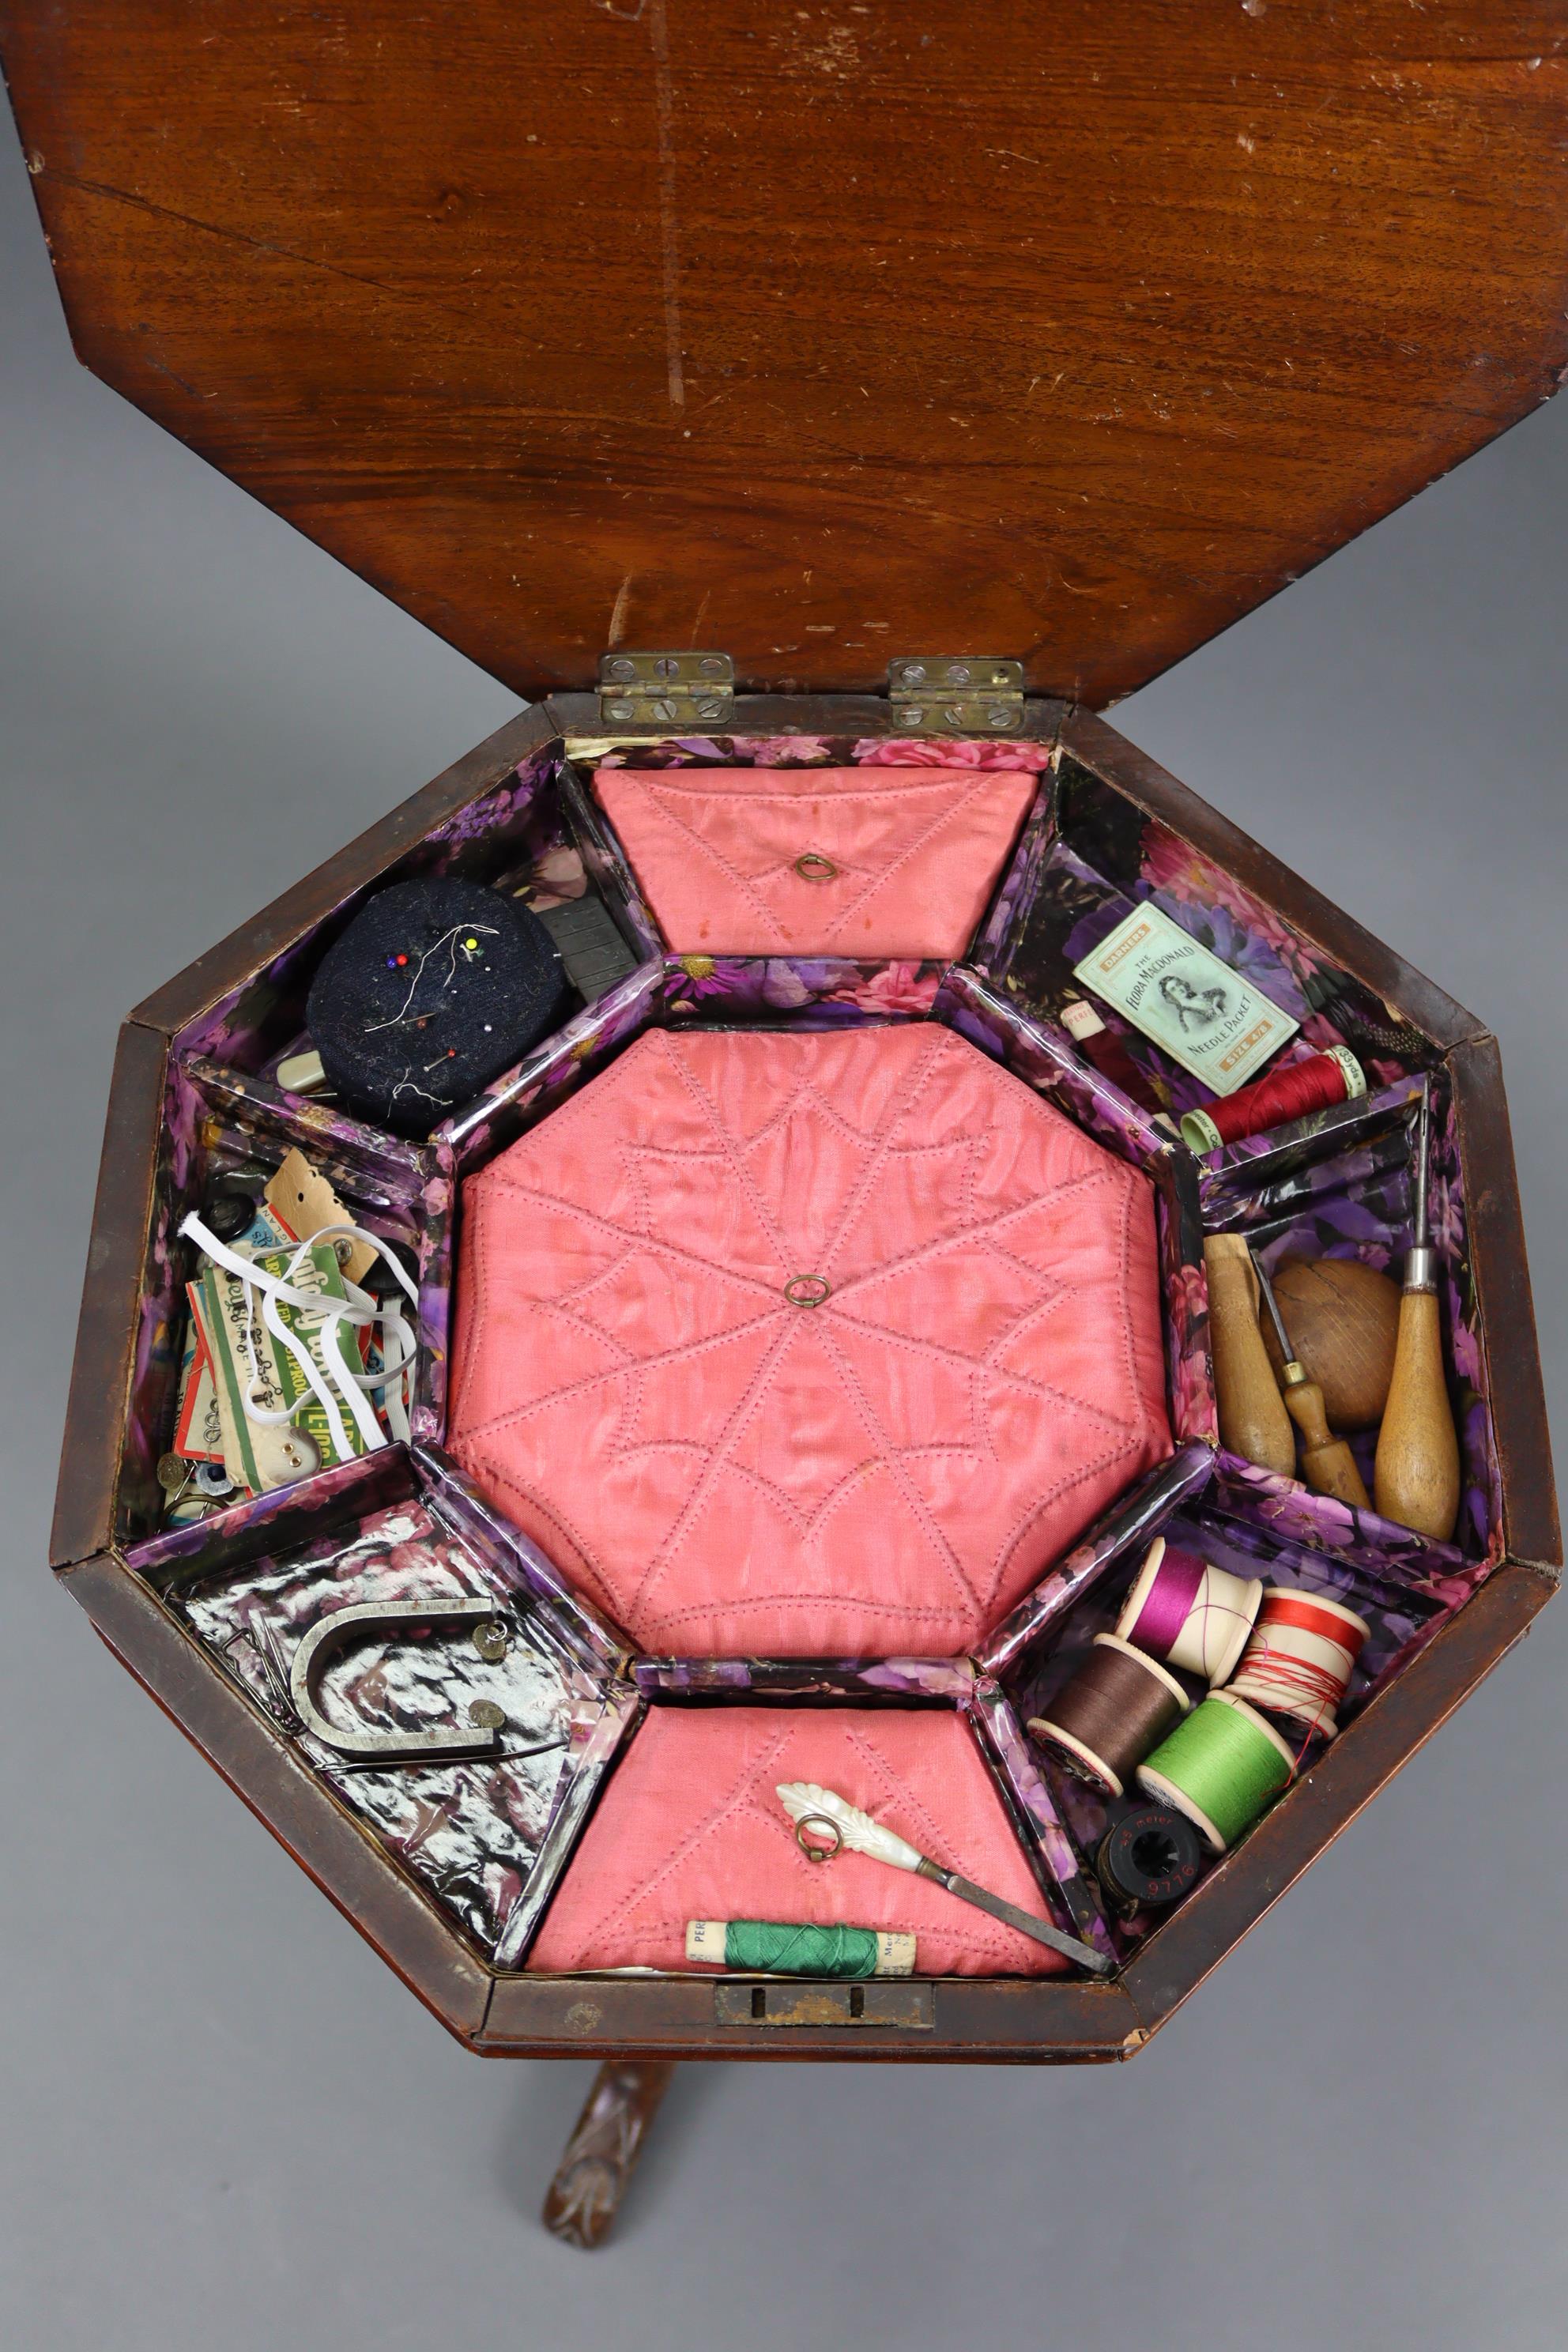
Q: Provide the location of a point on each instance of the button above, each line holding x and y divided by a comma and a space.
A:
228, 1211
174, 1471
491, 1641
486, 1715
812, 867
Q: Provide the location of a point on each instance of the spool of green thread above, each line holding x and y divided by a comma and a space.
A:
776, 1948
1220, 1767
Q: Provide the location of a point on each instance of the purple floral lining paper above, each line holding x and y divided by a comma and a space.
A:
1057, 1854
940, 1682
488, 1840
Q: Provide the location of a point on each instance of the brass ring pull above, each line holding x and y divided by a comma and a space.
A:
807, 1289
812, 867
818, 1822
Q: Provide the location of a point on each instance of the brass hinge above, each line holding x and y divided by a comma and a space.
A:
666, 690
941, 694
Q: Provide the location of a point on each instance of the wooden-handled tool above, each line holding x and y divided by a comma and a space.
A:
1327, 1463
1415, 1478
1253, 1422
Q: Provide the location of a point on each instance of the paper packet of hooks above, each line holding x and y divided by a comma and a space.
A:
290, 1364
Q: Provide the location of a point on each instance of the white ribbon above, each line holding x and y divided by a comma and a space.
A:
357, 1309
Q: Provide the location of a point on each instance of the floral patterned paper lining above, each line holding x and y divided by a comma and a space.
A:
1332, 1185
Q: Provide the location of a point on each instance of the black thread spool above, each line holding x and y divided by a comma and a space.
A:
1117, 1708
1148, 1859
435, 989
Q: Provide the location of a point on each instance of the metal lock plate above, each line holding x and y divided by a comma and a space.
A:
890, 2002
666, 690
956, 694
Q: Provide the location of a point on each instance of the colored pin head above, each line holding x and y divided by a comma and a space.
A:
435, 987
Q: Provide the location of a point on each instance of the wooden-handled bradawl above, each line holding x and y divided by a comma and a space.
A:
1415, 1478
1327, 1463
1253, 1422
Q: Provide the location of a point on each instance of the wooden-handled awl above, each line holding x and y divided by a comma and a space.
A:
1415, 1478
1253, 1422
1327, 1463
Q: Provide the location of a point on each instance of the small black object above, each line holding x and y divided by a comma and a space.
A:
1149, 1858
435, 987
229, 1210
592, 950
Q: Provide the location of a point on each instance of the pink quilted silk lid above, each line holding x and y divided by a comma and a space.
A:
855, 862
642, 1383
689, 1828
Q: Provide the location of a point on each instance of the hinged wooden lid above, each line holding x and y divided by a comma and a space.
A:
814, 333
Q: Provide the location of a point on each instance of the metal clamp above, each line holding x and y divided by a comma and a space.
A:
375, 1617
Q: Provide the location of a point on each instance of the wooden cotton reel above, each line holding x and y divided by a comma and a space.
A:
1299, 1658
1220, 1767
1118, 1706
1190, 1614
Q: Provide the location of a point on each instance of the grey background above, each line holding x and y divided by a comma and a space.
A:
223, 2121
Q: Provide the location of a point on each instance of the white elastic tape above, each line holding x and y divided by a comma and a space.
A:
392, 1401
247, 1270
358, 1309
333, 1316
302, 1356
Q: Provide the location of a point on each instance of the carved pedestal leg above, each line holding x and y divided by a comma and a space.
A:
601, 2155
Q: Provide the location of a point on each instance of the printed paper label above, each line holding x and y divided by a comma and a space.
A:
1205, 1016
198, 1430
243, 1351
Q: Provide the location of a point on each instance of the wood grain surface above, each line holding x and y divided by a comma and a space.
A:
821, 333
601, 2154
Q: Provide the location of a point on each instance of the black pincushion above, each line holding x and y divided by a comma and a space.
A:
435, 987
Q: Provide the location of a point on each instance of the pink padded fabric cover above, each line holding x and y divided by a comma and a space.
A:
689, 1828
918, 852
727, 1474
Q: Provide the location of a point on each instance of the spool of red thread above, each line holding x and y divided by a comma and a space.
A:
1299, 1660
1108, 1052
1287, 1095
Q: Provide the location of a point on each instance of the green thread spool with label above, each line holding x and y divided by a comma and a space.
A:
776, 1948
1220, 1767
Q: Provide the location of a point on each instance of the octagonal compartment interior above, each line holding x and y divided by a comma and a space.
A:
829, 1343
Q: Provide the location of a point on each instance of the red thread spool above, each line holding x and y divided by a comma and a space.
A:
1285, 1096
1108, 1052
1299, 1657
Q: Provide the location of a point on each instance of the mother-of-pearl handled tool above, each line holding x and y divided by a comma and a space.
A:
807, 1804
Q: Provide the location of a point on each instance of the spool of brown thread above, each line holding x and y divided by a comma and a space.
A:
1117, 1707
